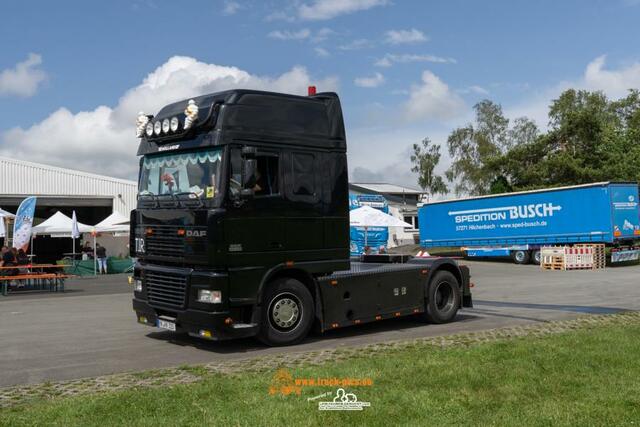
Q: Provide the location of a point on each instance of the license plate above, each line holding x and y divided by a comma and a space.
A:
165, 324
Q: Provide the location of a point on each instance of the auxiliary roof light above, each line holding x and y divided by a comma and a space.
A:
149, 129
157, 128
165, 126
141, 124
191, 114
174, 124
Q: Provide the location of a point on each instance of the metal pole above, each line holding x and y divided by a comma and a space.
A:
95, 260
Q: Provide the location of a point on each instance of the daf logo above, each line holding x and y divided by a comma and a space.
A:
196, 233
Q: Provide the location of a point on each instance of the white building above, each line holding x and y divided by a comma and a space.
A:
403, 204
64, 188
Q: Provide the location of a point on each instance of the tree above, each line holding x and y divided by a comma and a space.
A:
425, 158
476, 150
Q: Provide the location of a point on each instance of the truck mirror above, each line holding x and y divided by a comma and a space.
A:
249, 173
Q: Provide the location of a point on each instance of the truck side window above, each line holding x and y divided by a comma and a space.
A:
266, 175
303, 174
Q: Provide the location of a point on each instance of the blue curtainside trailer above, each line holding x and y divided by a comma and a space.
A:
518, 224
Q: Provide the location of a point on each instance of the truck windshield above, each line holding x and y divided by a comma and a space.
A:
194, 173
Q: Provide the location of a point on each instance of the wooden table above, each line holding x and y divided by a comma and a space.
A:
34, 272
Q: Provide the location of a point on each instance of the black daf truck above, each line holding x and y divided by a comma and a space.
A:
242, 226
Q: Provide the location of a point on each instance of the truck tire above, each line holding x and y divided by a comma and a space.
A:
520, 257
287, 313
535, 257
443, 298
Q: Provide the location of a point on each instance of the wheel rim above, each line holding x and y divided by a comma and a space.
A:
285, 311
519, 256
444, 297
536, 257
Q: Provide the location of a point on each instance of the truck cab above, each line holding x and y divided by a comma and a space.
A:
242, 194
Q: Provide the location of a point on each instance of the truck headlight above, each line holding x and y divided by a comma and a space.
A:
137, 285
209, 297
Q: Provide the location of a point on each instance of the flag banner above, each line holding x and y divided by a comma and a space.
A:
23, 223
75, 233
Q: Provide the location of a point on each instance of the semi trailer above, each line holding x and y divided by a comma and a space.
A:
517, 225
242, 226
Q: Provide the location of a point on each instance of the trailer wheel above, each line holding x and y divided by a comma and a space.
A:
535, 257
287, 313
520, 257
443, 298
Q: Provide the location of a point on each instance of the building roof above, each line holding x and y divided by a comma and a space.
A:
385, 188
19, 178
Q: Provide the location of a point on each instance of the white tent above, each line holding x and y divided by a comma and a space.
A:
4, 217
366, 216
5, 214
59, 225
114, 223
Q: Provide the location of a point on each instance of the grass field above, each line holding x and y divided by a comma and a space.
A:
583, 377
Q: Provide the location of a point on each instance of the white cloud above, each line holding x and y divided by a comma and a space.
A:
322, 34
432, 99
356, 45
478, 90
279, 16
322, 52
389, 59
614, 83
302, 34
372, 81
327, 9
231, 7
102, 140
23, 79
405, 36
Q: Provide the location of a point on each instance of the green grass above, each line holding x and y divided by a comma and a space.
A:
585, 377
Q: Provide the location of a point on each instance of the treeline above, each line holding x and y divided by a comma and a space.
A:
589, 138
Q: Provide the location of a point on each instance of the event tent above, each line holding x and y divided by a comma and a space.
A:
59, 225
114, 223
366, 216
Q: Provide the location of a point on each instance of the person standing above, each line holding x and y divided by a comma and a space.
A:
101, 254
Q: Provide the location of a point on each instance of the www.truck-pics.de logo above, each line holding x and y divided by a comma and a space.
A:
540, 210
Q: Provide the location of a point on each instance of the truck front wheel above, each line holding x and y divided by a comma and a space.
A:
443, 298
287, 313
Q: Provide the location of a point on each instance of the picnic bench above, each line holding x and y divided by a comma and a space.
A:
35, 276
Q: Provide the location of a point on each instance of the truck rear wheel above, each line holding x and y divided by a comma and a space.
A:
535, 257
520, 257
443, 298
287, 313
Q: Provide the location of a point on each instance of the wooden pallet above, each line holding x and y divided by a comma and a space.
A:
555, 263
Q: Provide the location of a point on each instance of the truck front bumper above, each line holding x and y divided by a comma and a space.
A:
214, 326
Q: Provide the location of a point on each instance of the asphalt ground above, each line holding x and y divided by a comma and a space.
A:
91, 330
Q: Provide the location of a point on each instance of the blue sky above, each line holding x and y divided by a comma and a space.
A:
70, 71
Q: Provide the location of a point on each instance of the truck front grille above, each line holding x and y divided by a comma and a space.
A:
165, 241
166, 289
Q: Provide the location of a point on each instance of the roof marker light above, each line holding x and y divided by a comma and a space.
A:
191, 114
141, 124
311, 90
